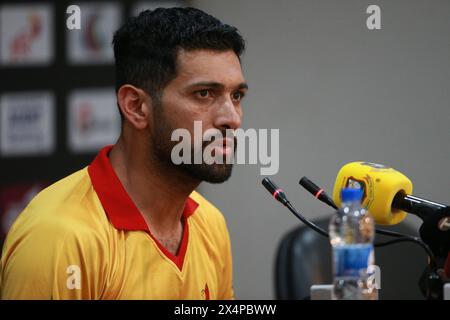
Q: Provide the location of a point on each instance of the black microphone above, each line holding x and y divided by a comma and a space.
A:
317, 192
276, 192
280, 196
392, 189
420, 207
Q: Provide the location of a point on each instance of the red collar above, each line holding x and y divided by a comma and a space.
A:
120, 209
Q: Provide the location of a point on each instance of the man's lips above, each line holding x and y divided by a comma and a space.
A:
227, 142
223, 146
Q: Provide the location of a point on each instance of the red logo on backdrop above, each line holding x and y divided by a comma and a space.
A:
13, 199
84, 117
21, 44
93, 38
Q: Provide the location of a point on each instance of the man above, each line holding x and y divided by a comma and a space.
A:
130, 225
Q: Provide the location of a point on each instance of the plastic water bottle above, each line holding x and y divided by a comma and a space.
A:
351, 232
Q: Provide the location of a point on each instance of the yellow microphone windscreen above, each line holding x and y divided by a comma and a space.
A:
380, 184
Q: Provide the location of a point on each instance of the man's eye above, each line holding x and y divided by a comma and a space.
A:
238, 95
203, 93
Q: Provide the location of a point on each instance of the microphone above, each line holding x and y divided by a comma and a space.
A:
387, 196
415, 205
387, 192
317, 192
280, 196
276, 192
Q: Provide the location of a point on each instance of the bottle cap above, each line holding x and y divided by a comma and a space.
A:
351, 195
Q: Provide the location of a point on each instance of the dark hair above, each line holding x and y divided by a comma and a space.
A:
146, 46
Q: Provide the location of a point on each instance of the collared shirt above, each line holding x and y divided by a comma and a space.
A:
84, 238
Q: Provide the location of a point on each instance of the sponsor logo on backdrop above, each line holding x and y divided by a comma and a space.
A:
94, 120
27, 123
91, 43
26, 34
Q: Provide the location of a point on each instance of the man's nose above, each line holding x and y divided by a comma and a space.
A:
229, 115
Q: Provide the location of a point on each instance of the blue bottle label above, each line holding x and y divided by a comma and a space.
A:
351, 260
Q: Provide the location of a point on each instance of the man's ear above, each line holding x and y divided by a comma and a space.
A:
134, 104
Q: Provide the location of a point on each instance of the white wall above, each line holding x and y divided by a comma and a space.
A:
338, 93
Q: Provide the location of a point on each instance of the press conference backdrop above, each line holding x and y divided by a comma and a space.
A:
337, 92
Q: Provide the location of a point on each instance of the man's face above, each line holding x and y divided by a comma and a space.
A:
209, 88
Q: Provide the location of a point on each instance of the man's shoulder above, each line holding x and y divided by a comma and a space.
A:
63, 189
68, 205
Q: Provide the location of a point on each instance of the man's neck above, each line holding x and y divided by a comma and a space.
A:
160, 195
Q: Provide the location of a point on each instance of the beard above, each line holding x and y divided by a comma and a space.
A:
162, 146
212, 173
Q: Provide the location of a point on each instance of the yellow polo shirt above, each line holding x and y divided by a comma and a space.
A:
84, 238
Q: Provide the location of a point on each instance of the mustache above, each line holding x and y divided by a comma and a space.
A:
224, 134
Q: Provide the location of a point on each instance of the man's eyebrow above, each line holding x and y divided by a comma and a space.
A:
243, 85
216, 85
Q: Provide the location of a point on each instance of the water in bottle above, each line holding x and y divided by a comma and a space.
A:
351, 232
